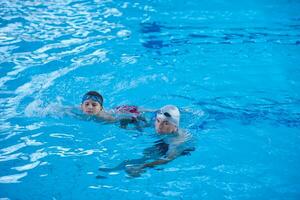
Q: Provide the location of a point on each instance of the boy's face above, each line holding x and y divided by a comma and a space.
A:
164, 127
91, 107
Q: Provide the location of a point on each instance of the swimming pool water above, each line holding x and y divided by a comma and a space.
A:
231, 67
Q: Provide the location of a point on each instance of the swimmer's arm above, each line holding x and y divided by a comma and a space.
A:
169, 158
155, 163
110, 118
107, 117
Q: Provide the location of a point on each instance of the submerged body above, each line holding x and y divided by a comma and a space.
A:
172, 143
164, 150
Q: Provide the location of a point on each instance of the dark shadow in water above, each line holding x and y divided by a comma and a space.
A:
254, 114
152, 41
150, 27
189, 34
154, 44
272, 112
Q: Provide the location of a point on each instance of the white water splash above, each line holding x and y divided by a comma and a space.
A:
27, 167
15, 178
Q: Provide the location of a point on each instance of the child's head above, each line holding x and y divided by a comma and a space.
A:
167, 120
92, 103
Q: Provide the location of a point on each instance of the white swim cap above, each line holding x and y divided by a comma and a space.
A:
169, 113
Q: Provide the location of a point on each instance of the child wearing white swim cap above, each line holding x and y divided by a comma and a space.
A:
167, 120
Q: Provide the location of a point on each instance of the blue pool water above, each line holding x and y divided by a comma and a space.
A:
231, 67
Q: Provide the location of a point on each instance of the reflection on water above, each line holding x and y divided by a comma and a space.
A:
232, 68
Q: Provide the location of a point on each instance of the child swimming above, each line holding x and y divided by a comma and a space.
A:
173, 142
92, 104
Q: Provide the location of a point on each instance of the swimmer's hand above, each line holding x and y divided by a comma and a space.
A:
134, 170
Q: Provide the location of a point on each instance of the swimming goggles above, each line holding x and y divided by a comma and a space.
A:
92, 97
166, 116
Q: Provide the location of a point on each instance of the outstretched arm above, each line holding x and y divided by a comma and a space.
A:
155, 163
169, 158
136, 171
106, 117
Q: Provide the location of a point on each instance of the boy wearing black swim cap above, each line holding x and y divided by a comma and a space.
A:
92, 104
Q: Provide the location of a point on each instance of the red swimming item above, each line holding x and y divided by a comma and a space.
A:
127, 109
